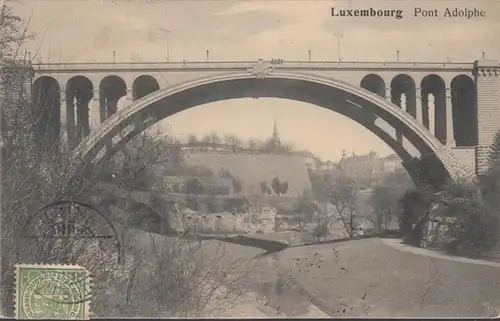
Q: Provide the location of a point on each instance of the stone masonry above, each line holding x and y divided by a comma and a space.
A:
487, 78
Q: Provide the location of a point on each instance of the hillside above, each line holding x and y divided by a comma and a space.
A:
253, 169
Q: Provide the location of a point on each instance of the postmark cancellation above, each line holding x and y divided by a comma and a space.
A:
47, 291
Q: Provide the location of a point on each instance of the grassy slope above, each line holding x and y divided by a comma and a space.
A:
393, 283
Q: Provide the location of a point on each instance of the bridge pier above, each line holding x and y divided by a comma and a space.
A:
64, 118
487, 79
94, 111
418, 105
450, 134
70, 120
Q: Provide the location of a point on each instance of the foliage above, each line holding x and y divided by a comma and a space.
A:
194, 186
192, 140
319, 186
173, 279
237, 186
489, 185
133, 165
192, 203
13, 33
386, 196
476, 230
471, 222
343, 195
279, 187
385, 205
494, 153
304, 210
234, 142
412, 207
213, 206
320, 230
235, 204
264, 188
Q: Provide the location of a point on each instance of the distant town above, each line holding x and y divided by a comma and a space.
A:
226, 185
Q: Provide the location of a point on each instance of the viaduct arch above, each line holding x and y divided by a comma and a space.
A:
361, 105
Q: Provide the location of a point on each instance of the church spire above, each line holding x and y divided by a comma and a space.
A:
275, 129
276, 135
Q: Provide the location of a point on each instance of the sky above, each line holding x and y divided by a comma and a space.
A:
89, 31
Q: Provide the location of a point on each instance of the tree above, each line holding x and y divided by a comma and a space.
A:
385, 206
215, 139
494, 154
304, 210
174, 277
412, 207
192, 140
343, 195
192, 203
134, 161
279, 187
253, 144
237, 186
162, 277
320, 230
14, 34
194, 186
475, 226
207, 140
234, 141
385, 197
319, 186
286, 148
489, 183
263, 187
213, 206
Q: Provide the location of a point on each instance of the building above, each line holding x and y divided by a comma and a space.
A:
328, 166
391, 163
261, 220
361, 165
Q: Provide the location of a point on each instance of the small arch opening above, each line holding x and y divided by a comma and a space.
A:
111, 89
143, 86
79, 93
374, 83
46, 97
434, 105
463, 100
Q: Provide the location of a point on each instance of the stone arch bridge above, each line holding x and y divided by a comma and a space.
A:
440, 118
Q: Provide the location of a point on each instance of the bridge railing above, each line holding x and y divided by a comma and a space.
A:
246, 64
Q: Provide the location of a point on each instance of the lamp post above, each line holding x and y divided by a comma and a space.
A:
168, 33
339, 36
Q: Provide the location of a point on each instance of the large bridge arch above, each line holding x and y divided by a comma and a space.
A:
356, 103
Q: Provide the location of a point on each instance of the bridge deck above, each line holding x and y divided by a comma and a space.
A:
237, 65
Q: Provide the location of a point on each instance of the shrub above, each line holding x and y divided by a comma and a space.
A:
476, 230
412, 207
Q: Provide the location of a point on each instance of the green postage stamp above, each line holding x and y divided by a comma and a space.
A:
52, 292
